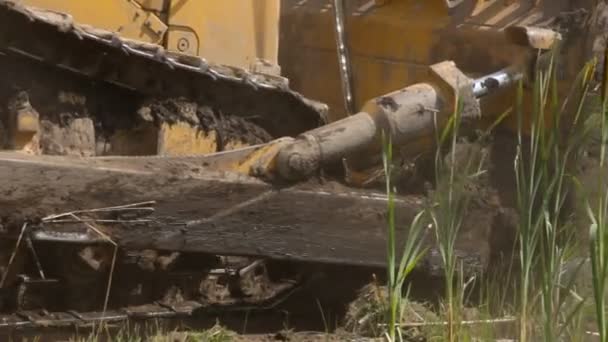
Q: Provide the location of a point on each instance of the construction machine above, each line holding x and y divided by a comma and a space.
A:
159, 152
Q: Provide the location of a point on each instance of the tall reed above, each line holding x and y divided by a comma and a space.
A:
545, 154
411, 251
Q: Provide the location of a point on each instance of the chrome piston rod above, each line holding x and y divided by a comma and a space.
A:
343, 57
501, 79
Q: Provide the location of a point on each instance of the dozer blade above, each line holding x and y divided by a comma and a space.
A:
199, 210
54, 39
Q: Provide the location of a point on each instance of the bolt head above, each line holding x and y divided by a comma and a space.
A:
183, 44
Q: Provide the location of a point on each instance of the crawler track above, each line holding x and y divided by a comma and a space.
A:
39, 319
55, 39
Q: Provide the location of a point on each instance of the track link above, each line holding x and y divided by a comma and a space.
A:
41, 318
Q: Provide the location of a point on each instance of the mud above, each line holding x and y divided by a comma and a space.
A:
228, 128
62, 99
76, 138
148, 276
144, 277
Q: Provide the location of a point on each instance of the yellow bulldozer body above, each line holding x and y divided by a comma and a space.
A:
231, 32
239, 34
391, 43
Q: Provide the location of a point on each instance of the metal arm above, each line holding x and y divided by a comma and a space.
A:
343, 57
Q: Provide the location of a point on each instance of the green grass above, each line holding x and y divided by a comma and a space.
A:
542, 169
411, 252
449, 205
547, 305
216, 333
597, 209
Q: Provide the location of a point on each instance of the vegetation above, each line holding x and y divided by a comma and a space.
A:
598, 214
411, 253
156, 334
553, 136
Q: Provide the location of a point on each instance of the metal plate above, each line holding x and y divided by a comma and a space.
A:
46, 319
13, 321
148, 311
95, 316
183, 308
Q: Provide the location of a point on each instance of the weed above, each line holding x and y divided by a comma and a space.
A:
597, 209
450, 202
411, 252
217, 333
542, 166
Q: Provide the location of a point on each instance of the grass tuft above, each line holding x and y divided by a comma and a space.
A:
411, 252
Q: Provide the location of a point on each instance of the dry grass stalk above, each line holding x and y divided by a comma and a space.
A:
12, 258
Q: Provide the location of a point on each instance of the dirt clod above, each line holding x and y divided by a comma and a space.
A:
366, 315
76, 138
228, 128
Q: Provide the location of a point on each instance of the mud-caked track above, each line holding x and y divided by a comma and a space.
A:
77, 118
80, 109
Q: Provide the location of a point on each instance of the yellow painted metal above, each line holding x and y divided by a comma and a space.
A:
262, 159
232, 32
175, 139
27, 122
123, 16
182, 139
259, 160
153, 5
25, 133
391, 44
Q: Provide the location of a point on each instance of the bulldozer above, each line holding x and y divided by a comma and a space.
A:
160, 155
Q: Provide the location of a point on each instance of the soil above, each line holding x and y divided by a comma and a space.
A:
228, 127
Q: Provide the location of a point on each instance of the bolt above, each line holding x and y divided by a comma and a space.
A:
183, 44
